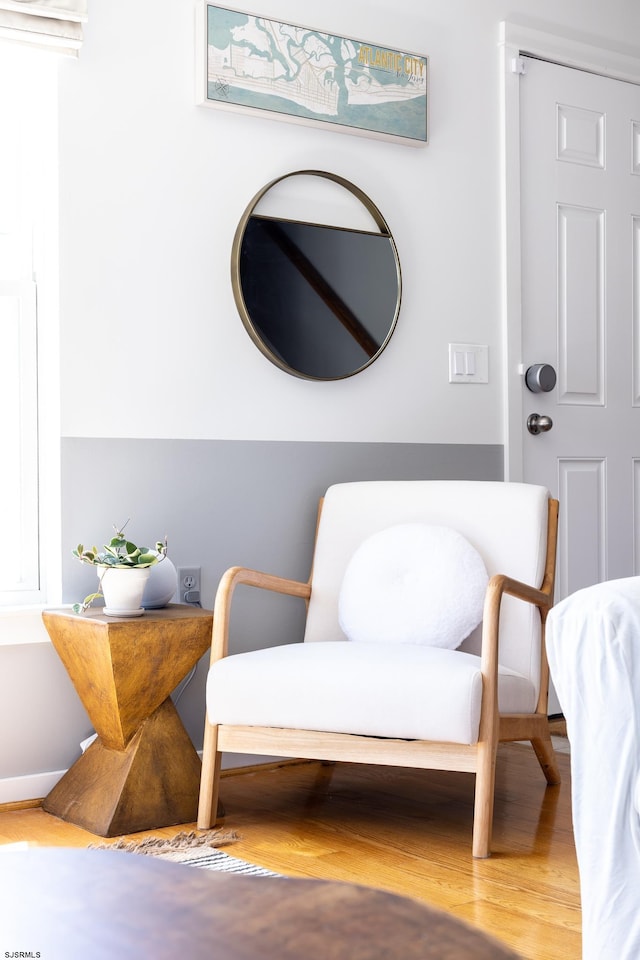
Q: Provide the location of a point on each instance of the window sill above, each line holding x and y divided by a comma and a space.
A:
22, 625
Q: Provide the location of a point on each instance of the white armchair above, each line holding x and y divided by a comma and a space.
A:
594, 653
382, 676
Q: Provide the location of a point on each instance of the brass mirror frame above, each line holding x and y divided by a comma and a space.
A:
236, 284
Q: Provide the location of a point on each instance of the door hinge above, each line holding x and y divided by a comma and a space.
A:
517, 65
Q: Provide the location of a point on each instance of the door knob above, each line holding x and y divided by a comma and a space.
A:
540, 378
538, 423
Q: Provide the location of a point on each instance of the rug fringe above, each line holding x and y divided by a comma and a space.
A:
156, 846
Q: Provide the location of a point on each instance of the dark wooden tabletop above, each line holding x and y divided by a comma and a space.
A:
107, 905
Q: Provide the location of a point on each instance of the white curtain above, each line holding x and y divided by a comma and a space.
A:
53, 24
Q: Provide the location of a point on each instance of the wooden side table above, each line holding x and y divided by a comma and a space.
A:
142, 771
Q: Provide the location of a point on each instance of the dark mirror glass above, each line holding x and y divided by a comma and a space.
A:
319, 300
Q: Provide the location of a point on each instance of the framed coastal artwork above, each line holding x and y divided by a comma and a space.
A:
303, 75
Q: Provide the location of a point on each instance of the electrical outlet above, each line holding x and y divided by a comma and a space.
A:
188, 584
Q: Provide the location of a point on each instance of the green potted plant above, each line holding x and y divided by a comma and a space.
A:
123, 570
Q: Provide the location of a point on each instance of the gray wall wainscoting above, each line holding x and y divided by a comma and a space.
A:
223, 503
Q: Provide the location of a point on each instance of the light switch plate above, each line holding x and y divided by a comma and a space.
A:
468, 363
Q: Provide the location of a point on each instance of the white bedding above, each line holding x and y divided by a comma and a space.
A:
593, 644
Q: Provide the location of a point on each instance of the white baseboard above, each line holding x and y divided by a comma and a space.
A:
32, 787
35, 786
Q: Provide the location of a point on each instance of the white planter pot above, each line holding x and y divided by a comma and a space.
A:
122, 589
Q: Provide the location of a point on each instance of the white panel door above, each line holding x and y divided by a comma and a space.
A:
580, 223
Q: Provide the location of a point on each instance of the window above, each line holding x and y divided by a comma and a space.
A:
28, 316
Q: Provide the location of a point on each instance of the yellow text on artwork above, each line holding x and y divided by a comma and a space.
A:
392, 61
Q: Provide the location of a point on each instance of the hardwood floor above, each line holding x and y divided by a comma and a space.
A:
405, 831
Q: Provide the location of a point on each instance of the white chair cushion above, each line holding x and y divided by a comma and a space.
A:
506, 522
380, 690
413, 583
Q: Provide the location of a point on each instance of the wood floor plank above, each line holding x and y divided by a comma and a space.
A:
404, 831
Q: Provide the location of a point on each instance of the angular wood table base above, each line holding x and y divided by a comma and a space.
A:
153, 782
142, 772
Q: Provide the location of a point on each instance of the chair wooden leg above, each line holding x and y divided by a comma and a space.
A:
547, 759
210, 779
535, 728
483, 809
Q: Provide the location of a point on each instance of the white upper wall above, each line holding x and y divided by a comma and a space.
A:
152, 187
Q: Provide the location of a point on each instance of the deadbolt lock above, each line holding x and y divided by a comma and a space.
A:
540, 378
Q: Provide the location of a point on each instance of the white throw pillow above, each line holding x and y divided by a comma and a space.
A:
413, 583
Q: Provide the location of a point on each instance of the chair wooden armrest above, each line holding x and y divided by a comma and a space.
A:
542, 597
252, 578
523, 591
498, 586
208, 808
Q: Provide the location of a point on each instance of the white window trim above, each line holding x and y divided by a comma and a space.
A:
44, 280
48, 24
20, 299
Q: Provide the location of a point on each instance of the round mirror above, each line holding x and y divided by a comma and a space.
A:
316, 275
